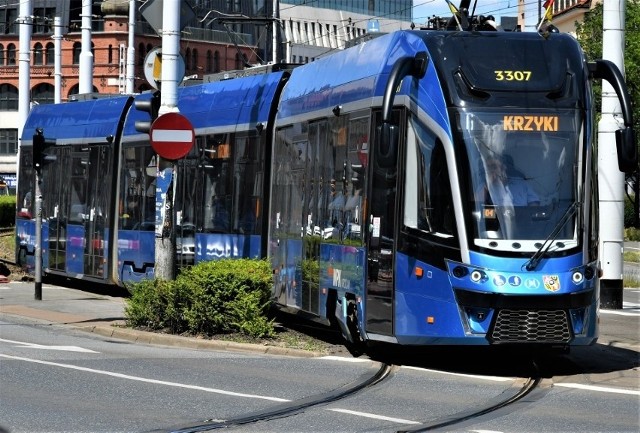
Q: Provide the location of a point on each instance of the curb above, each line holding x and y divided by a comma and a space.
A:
153, 338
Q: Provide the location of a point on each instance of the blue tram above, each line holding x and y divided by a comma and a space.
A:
421, 188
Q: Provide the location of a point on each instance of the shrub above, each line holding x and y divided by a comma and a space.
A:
632, 234
7, 210
222, 296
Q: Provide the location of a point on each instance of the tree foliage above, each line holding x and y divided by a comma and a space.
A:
589, 34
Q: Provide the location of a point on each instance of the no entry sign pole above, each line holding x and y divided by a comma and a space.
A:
172, 137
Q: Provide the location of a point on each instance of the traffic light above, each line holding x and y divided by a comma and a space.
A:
40, 155
151, 106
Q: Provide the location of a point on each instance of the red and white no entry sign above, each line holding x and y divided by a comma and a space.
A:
172, 136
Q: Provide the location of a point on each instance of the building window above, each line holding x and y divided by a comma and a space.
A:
110, 54
43, 94
8, 141
9, 25
238, 61
216, 62
209, 65
38, 54
187, 59
194, 59
141, 53
43, 20
1, 55
75, 90
50, 54
77, 48
8, 97
11, 54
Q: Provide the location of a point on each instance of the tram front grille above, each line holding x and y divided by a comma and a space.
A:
531, 326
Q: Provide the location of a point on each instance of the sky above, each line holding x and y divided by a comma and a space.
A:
423, 9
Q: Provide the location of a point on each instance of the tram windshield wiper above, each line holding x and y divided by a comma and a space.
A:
534, 261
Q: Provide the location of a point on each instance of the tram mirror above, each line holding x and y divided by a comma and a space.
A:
387, 143
627, 150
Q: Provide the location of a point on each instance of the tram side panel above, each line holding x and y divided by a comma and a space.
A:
220, 192
77, 188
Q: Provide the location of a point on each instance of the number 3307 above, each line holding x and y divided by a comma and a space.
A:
513, 75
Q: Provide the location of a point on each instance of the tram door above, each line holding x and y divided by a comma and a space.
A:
89, 209
55, 193
381, 239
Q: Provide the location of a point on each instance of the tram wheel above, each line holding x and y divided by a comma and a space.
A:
357, 347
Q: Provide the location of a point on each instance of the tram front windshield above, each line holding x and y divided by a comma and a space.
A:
524, 172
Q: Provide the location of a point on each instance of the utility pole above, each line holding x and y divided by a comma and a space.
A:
57, 64
25, 21
86, 56
166, 242
131, 50
611, 181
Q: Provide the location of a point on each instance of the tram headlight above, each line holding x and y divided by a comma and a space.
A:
577, 277
478, 276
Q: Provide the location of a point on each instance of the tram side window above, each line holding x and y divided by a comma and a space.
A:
428, 203
185, 198
138, 188
26, 190
247, 184
78, 212
217, 183
336, 159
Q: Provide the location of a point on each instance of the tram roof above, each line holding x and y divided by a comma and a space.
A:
346, 76
76, 122
238, 101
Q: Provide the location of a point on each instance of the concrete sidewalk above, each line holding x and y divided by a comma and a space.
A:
103, 314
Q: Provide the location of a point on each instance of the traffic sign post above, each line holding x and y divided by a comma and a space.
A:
172, 136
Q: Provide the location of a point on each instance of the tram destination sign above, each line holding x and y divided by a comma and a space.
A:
172, 136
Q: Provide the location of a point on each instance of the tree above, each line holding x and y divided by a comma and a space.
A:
589, 34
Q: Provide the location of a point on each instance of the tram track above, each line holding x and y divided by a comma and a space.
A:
524, 390
531, 388
292, 408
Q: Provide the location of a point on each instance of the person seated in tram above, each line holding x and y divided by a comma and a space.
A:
503, 190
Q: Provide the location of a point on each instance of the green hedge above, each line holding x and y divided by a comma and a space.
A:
7, 210
217, 297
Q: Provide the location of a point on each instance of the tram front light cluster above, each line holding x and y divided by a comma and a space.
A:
579, 275
476, 275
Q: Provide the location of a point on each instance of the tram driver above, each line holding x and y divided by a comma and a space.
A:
503, 190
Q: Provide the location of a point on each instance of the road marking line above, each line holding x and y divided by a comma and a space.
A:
43, 347
598, 388
143, 379
374, 416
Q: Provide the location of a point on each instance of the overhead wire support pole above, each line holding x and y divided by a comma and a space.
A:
611, 182
57, 68
131, 50
165, 241
86, 55
25, 22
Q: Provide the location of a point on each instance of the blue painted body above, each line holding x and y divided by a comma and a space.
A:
425, 307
